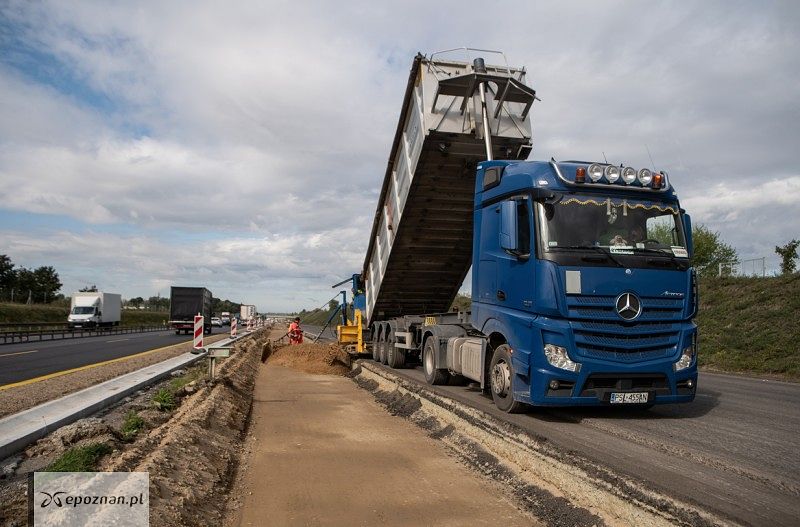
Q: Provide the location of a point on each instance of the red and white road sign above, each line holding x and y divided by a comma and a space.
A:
249, 324
233, 328
198, 332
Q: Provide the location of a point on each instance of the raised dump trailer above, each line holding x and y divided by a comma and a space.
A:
421, 239
582, 287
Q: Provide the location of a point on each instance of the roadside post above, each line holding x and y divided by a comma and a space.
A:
198, 332
213, 355
233, 328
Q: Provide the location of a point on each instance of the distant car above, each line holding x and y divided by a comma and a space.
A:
216, 321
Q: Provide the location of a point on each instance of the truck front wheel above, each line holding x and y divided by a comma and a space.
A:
432, 375
501, 376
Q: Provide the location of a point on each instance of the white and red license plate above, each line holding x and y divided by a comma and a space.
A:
629, 398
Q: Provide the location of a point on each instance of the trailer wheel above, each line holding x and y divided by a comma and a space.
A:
501, 375
432, 375
376, 349
395, 358
384, 350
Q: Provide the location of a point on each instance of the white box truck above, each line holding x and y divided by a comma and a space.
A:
247, 312
94, 309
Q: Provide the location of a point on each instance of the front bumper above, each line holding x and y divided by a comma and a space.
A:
598, 378
593, 386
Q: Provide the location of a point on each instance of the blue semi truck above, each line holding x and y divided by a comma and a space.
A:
582, 287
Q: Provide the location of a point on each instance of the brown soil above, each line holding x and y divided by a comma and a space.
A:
192, 457
191, 453
319, 451
21, 398
326, 359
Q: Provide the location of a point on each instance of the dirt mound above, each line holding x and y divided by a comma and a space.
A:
326, 359
192, 457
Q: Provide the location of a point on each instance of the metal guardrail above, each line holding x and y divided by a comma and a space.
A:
31, 325
15, 337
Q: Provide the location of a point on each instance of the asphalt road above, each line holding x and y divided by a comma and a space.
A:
19, 362
734, 451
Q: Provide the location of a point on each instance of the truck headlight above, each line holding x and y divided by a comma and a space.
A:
557, 356
686, 359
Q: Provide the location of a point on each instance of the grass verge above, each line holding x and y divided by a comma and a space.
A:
164, 400
132, 425
26, 314
80, 459
748, 325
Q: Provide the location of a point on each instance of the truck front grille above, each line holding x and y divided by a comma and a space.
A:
597, 308
601, 334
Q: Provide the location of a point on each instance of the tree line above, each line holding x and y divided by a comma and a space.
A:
42, 286
20, 284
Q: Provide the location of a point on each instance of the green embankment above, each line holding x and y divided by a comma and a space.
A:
749, 325
24, 314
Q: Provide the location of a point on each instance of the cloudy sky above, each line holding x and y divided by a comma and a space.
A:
241, 145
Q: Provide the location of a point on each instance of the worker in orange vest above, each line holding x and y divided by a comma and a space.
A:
295, 332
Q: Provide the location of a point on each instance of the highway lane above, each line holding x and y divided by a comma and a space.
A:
19, 362
734, 451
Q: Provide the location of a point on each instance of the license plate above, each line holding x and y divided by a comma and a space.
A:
629, 398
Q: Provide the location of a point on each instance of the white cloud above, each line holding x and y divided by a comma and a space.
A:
274, 272
268, 124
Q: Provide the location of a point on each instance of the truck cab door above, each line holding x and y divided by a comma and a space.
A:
514, 261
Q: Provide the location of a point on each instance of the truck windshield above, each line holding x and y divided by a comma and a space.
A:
619, 226
83, 310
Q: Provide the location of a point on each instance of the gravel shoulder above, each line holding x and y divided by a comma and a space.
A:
320, 451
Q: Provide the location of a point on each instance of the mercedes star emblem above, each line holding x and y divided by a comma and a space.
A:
628, 306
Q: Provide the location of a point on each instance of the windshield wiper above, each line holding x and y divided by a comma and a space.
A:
661, 252
605, 252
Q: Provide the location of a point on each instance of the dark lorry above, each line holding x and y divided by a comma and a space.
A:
184, 304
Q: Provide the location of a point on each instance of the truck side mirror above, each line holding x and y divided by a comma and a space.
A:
687, 224
508, 226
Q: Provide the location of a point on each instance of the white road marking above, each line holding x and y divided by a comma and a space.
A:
18, 353
118, 340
